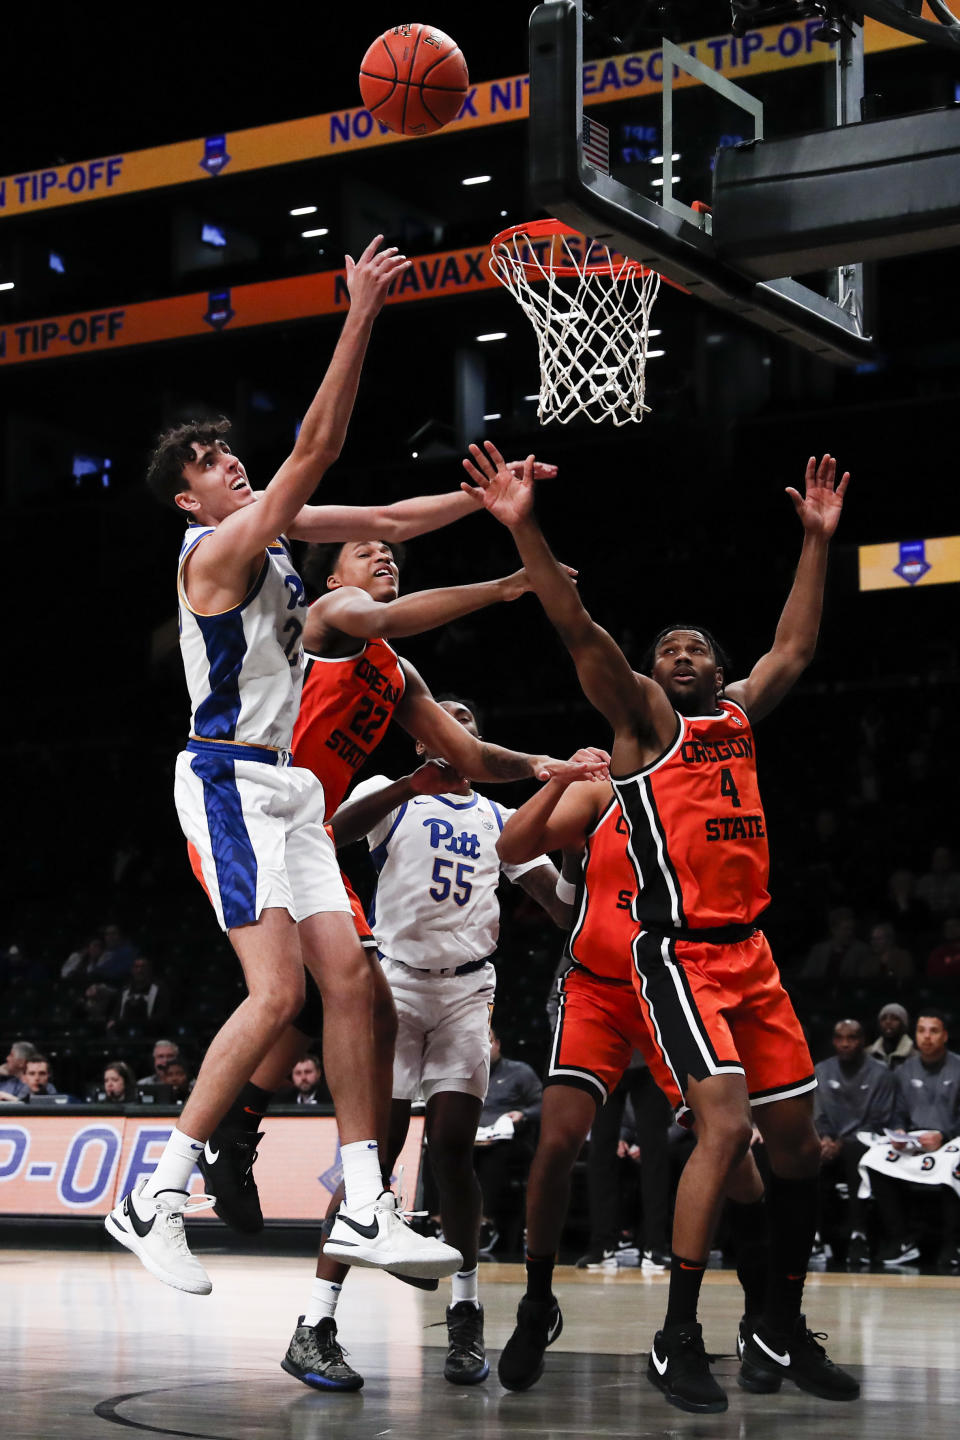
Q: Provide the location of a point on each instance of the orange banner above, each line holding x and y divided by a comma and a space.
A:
80, 1165
269, 302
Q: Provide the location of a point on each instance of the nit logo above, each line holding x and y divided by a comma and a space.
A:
912, 565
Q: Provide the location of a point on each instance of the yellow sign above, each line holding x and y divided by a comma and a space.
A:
269, 302
494, 102
904, 564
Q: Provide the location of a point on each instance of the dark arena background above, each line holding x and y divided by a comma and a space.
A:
683, 517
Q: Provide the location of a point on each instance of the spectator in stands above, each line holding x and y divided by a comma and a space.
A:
307, 1078
841, 954
179, 1080
943, 962
887, 960
163, 1052
928, 1105
118, 955
144, 1000
97, 1004
514, 1094
12, 1084
119, 1085
36, 1077
854, 1092
909, 915
893, 1045
80, 965
940, 886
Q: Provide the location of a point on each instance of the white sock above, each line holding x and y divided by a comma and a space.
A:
323, 1302
362, 1180
465, 1287
176, 1164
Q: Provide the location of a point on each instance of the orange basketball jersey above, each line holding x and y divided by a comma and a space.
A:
345, 709
604, 926
698, 837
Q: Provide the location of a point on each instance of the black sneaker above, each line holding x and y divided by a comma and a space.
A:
314, 1357
948, 1256
227, 1169
899, 1252
679, 1367
598, 1258
771, 1356
539, 1322
744, 1331
858, 1252
466, 1362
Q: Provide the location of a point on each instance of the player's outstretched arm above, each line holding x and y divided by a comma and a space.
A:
402, 520
352, 611
428, 722
556, 818
795, 641
631, 703
357, 817
540, 884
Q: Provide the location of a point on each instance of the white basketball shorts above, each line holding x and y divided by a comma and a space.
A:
443, 1030
255, 837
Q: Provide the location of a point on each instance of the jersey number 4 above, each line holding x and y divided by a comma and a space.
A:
462, 887
728, 787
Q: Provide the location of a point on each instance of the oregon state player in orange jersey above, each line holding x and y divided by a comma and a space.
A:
599, 1026
683, 769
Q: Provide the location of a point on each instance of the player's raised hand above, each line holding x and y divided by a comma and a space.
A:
586, 764
820, 505
435, 777
542, 469
507, 496
512, 586
369, 278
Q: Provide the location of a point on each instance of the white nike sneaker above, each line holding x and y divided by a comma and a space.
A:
152, 1227
379, 1237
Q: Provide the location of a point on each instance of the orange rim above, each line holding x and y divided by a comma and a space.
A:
552, 228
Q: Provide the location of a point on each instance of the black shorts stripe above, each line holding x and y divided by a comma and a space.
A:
681, 1037
654, 899
577, 1080
788, 1085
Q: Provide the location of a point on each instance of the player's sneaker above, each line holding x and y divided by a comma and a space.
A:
153, 1229
655, 1262
227, 1168
315, 1357
539, 1322
858, 1252
899, 1252
598, 1259
379, 1238
948, 1257
678, 1366
466, 1362
771, 1356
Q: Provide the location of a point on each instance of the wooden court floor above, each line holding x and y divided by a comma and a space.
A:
92, 1346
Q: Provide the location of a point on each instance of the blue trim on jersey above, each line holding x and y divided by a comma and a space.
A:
496, 815
467, 804
233, 855
226, 647
379, 853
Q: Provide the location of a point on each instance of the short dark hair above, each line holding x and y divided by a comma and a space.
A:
174, 449
126, 1075
37, 1059
320, 562
720, 656
470, 705
929, 1012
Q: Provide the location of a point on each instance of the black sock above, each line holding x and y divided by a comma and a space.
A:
751, 1247
686, 1277
792, 1213
540, 1276
248, 1109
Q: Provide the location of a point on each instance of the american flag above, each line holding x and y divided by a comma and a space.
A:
596, 145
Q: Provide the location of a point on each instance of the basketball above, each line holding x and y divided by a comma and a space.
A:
413, 79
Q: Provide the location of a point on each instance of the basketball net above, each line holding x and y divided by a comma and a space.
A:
590, 308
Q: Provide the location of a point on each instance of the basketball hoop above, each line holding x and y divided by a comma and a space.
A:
592, 322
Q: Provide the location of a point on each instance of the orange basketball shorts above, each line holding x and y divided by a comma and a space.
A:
364, 933
599, 1026
721, 1010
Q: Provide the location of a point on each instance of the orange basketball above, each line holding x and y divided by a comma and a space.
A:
413, 79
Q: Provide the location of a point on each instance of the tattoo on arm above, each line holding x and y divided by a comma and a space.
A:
505, 764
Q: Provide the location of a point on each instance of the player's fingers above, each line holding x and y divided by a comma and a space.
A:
371, 248
476, 475
471, 490
826, 471
568, 569
842, 487
483, 461
796, 497
494, 454
810, 475
351, 264
542, 470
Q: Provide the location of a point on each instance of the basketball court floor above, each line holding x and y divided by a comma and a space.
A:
89, 1342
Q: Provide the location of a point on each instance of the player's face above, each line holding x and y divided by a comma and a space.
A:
462, 715
370, 566
684, 666
215, 484
931, 1036
847, 1041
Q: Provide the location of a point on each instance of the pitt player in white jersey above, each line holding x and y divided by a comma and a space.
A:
436, 918
253, 822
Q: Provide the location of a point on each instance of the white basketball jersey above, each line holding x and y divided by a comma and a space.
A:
244, 667
435, 904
